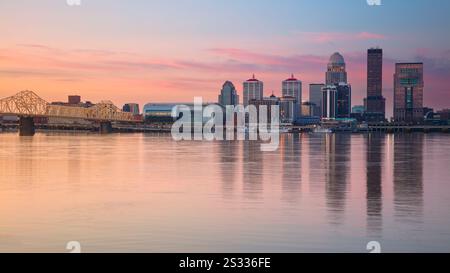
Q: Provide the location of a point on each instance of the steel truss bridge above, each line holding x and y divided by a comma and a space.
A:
27, 104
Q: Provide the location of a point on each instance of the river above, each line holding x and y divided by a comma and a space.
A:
148, 193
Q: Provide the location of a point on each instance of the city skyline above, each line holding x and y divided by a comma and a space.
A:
259, 129
72, 51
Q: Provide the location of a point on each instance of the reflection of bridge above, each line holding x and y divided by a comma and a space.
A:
28, 105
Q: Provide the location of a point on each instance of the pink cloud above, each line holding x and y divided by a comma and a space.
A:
271, 62
327, 37
100, 73
48, 61
370, 36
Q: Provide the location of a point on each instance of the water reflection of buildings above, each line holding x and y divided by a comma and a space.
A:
317, 162
291, 166
74, 167
337, 161
316, 157
22, 171
374, 193
408, 177
228, 151
253, 169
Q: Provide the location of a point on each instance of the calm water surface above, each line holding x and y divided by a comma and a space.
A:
147, 193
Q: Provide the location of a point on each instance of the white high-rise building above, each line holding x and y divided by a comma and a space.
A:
253, 90
289, 109
292, 91
292, 87
329, 103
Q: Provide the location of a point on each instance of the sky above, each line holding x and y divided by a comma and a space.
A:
173, 50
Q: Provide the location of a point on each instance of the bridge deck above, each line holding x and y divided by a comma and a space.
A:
27, 103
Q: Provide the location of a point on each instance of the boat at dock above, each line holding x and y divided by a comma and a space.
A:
322, 130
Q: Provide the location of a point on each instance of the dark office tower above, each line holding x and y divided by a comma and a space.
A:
408, 92
315, 96
336, 72
375, 103
343, 100
374, 72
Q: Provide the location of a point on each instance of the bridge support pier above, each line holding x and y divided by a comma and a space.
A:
106, 127
26, 126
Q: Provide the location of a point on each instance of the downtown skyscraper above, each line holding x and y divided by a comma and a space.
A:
375, 103
228, 95
315, 97
408, 92
329, 103
292, 88
337, 93
343, 100
253, 90
336, 72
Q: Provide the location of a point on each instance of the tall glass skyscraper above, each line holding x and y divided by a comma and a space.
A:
336, 72
408, 92
375, 103
315, 96
343, 100
228, 95
336, 101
